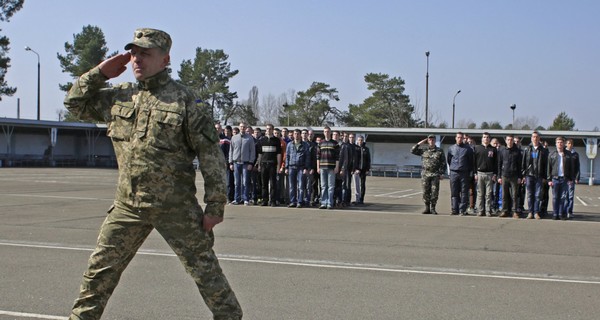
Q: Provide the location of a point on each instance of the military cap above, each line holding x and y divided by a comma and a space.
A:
430, 136
150, 38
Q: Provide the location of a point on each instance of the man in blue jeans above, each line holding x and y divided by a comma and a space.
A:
535, 163
576, 175
560, 176
296, 164
242, 155
328, 155
460, 161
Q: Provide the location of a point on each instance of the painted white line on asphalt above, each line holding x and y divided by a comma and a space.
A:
582, 202
52, 197
346, 265
389, 193
30, 315
407, 195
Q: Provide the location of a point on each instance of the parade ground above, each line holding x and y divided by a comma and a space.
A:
381, 260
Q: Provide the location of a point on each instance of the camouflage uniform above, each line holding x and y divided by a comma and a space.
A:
157, 130
434, 166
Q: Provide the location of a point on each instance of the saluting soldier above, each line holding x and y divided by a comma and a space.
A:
157, 129
434, 165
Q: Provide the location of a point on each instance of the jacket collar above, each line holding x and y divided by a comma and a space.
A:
158, 80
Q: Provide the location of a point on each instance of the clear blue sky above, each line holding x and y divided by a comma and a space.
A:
542, 56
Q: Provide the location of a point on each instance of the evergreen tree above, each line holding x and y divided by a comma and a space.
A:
208, 75
562, 122
87, 51
388, 106
311, 107
7, 9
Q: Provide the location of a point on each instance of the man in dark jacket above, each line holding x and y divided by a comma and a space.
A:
362, 165
460, 161
560, 176
509, 171
576, 175
535, 159
346, 168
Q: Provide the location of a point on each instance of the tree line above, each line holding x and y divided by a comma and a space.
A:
209, 72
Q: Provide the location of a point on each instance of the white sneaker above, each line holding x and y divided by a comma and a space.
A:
246, 203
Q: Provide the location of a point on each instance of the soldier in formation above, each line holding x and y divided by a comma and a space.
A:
434, 166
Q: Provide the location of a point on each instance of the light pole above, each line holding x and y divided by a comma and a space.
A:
513, 107
427, 92
454, 107
38, 81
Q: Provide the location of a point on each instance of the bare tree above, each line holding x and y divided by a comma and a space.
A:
526, 122
284, 99
465, 124
253, 102
269, 110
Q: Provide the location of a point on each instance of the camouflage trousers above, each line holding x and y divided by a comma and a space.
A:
123, 232
431, 189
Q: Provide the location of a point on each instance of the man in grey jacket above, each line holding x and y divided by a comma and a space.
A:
242, 154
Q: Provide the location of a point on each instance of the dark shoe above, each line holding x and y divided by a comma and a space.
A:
454, 213
464, 213
427, 210
264, 204
433, 210
554, 217
291, 205
273, 204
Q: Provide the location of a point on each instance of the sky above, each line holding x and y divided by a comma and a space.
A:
543, 56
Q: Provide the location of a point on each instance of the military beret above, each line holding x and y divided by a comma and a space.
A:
150, 38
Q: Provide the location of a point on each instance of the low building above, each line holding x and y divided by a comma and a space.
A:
53, 143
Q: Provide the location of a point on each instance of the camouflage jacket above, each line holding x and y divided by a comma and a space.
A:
434, 160
157, 130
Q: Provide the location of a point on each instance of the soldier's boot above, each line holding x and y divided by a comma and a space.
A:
432, 209
427, 209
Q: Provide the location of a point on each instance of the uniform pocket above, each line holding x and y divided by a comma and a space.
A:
165, 127
122, 121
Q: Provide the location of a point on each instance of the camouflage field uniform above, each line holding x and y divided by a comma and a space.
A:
434, 165
157, 130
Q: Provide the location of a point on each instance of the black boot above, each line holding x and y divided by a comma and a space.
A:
427, 210
433, 209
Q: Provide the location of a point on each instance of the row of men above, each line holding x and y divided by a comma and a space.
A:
295, 167
480, 173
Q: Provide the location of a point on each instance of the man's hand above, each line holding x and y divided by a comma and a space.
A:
209, 222
113, 67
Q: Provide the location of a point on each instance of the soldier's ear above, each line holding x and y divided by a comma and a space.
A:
166, 60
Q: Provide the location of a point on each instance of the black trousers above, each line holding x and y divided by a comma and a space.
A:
268, 174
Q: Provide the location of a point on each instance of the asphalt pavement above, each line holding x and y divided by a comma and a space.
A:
382, 260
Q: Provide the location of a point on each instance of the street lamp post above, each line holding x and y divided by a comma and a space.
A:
38, 81
427, 92
454, 107
513, 107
